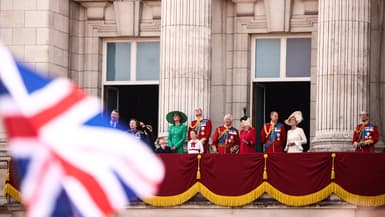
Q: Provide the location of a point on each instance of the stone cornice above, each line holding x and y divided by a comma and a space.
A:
92, 1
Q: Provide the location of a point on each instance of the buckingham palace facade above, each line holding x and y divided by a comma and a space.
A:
148, 57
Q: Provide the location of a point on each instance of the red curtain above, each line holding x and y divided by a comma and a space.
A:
232, 175
299, 173
362, 174
293, 179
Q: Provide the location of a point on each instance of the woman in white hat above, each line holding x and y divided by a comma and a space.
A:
295, 136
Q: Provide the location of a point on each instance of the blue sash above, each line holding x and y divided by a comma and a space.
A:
272, 137
367, 131
202, 124
223, 138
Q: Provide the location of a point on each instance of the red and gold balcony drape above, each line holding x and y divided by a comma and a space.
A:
292, 179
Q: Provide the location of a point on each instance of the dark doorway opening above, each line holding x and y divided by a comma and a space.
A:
285, 98
134, 101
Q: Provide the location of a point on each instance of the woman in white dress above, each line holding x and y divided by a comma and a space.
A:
295, 136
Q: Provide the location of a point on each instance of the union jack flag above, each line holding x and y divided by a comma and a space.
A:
69, 161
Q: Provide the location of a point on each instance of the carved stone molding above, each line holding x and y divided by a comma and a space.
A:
276, 16
127, 15
155, 8
310, 7
244, 7
95, 8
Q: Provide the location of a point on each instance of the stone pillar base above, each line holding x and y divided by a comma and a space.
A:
332, 143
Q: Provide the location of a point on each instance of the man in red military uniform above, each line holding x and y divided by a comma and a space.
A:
202, 127
273, 135
365, 135
226, 137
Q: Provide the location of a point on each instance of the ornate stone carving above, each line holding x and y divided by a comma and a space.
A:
95, 9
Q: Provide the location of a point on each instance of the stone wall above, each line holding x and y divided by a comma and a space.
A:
377, 69
36, 31
66, 39
235, 22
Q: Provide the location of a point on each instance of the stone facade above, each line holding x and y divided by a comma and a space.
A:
185, 58
206, 61
343, 80
66, 38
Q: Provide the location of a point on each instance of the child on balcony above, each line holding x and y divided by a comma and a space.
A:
194, 145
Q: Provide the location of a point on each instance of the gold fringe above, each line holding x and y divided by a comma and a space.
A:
333, 174
199, 168
378, 200
232, 200
175, 199
298, 200
247, 198
11, 191
264, 168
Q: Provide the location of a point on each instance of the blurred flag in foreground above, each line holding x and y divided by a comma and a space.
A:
69, 162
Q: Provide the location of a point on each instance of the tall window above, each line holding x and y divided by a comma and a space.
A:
131, 62
281, 59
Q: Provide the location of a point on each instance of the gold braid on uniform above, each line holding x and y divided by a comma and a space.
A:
267, 133
196, 124
224, 132
361, 130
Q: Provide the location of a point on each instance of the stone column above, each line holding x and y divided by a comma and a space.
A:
185, 58
343, 71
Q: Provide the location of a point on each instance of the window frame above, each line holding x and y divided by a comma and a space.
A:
283, 49
133, 57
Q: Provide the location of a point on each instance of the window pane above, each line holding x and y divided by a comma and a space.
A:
267, 58
147, 61
298, 57
118, 61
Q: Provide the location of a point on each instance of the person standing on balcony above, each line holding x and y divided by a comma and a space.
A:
248, 137
194, 145
202, 127
226, 137
273, 135
139, 135
115, 122
365, 135
177, 131
295, 136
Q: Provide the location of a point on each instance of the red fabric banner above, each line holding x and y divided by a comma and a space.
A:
232, 175
299, 173
180, 173
362, 174
296, 179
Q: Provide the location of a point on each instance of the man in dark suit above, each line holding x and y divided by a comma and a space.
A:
114, 121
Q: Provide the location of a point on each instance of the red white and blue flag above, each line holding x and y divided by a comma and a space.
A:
69, 161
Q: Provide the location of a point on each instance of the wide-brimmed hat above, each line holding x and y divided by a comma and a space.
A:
170, 117
297, 115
